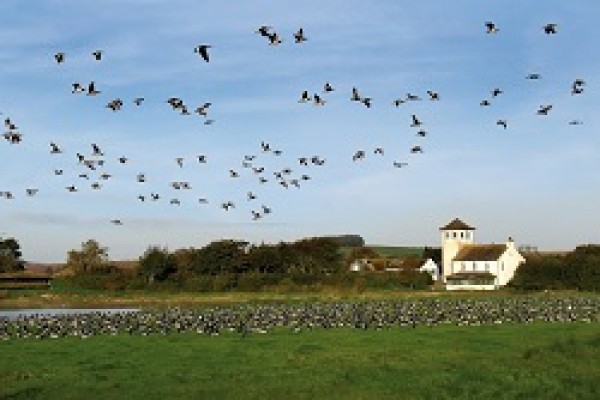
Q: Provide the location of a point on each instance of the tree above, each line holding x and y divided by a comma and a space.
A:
156, 264
223, 256
91, 258
10, 256
266, 258
316, 255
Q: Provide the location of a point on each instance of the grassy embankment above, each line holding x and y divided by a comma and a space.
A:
538, 361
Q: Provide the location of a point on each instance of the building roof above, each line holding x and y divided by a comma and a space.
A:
480, 252
457, 225
471, 275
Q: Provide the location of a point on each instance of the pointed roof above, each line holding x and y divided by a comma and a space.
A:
480, 252
457, 225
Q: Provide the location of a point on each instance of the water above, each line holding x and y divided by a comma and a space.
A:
13, 314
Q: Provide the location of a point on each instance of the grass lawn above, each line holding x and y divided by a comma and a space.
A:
538, 361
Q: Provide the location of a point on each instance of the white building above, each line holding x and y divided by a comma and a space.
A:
466, 265
431, 268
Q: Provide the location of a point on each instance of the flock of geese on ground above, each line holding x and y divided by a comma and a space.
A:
249, 319
92, 164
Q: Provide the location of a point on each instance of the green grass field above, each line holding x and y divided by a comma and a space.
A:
538, 361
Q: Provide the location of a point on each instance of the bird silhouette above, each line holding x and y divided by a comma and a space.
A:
491, 28
59, 57
299, 36
551, 29
202, 51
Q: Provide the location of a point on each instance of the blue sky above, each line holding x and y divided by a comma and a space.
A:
537, 181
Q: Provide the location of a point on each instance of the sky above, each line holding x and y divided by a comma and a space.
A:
537, 181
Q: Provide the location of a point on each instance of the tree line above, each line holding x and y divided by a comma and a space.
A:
231, 265
578, 270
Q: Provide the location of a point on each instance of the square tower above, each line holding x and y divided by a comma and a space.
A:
454, 236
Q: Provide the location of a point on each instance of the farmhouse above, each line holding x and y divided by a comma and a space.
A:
466, 265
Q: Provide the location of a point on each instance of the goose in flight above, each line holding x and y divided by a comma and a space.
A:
327, 87
503, 123
491, 28
228, 205
202, 51
433, 96
263, 30
179, 161
318, 101
544, 109
551, 29
116, 222
31, 192
92, 89
416, 149
398, 164
138, 101
77, 88
115, 104
398, 102
416, 122
54, 148
304, 97
202, 110
496, 92
97, 55
299, 36
274, 39
96, 150
366, 101
59, 57
359, 155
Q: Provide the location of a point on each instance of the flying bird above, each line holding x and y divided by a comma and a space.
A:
59, 57
92, 89
263, 30
551, 29
433, 95
544, 109
202, 50
97, 55
299, 36
503, 123
415, 121
304, 97
491, 28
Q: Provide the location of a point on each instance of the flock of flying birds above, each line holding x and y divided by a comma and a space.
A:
92, 164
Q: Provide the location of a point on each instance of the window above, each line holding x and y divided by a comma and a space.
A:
454, 235
467, 235
463, 266
447, 235
462, 234
487, 267
502, 265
